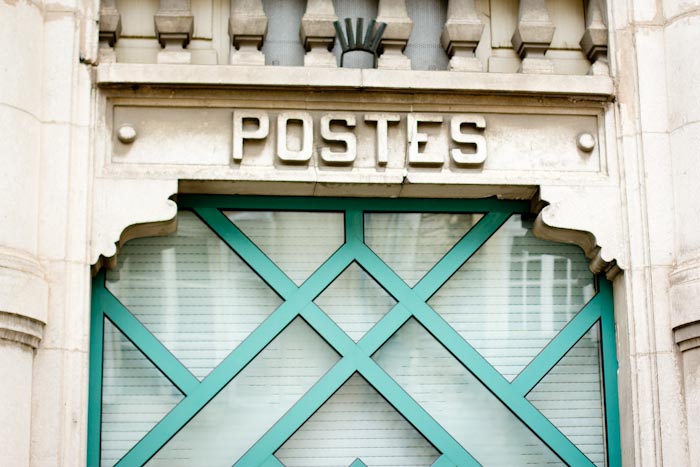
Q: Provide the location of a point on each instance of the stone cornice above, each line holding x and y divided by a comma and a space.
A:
213, 76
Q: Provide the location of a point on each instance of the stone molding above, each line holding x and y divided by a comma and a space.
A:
24, 290
685, 319
318, 33
21, 329
461, 35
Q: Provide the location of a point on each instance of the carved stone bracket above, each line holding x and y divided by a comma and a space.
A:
110, 30
395, 38
569, 218
318, 34
174, 25
532, 36
461, 35
247, 28
125, 209
594, 42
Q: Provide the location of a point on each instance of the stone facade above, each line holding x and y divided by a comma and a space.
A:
89, 163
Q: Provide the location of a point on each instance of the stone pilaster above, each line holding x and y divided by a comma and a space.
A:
594, 42
174, 24
318, 34
461, 35
110, 30
532, 37
395, 38
247, 28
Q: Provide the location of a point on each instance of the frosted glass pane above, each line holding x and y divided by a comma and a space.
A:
298, 242
424, 48
192, 292
355, 9
355, 301
570, 396
282, 45
458, 401
514, 295
357, 423
252, 402
135, 395
411, 243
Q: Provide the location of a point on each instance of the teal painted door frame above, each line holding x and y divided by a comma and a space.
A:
355, 356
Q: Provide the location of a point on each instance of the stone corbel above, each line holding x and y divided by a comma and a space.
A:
461, 35
24, 298
110, 30
318, 34
532, 37
247, 28
128, 208
594, 42
174, 25
395, 38
585, 217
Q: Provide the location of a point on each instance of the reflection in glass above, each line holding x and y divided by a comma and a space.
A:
355, 301
252, 402
570, 396
411, 243
298, 242
515, 294
356, 422
135, 395
458, 401
192, 292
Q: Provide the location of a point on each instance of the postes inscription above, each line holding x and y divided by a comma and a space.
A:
334, 134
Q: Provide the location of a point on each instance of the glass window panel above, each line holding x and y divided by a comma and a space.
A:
298, 242
411, 243
424, 47
192, 292
357, 423
135, 395
458, 401
570, 396
355, 301
252, 402
282, 45
515, 294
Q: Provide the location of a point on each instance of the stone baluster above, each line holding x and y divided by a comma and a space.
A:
318, 34
594, 42
395, 38
247, 27
174, 28
532, 37
110, 30
462, 34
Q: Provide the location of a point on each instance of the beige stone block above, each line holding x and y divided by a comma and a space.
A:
683, 71
19, 152
15, 403
21, 26
645, 11
68, 321
672, 408
685, 142
658, 182
60, 57
674, 8
53, 186
652, 78
59, 408
78, 200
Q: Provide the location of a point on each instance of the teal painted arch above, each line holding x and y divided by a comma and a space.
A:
355, 356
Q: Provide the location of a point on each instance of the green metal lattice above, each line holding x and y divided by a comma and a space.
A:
356, 357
